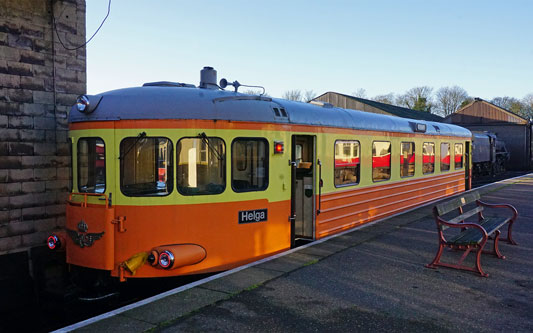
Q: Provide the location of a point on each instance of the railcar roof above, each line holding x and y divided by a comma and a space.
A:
159, 102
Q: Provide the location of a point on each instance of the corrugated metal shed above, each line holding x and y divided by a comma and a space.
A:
356, 103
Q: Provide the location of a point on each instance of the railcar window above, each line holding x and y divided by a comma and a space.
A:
407, 159
428, 157
146, 166
201, 165
381, 151
91, 165
458, 156
249, 164
347, 162
444, 156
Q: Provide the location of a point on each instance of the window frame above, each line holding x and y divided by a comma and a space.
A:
442, 158
401, 154
78, 164
267, 155
121, 168
225, 166
390, 161
335, 168
433, 144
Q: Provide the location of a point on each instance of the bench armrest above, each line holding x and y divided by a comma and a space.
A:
511, 207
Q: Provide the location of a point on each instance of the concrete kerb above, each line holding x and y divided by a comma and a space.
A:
267, 269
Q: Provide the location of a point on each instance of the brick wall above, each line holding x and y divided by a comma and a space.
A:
39, 81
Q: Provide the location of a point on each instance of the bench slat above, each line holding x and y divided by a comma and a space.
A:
463, 200
468, 237
492, 224
466, 215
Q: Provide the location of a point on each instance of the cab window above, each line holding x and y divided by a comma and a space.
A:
249, 164
347, 162
201, 166
91, 165
146, 167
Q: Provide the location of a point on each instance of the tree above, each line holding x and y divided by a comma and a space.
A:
309, 95
449, 100
527, 101
255, 92
419, 97
293, 95
467, 101
360, 93
387, 98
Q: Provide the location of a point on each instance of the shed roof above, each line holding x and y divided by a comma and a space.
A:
491, 112
392, 109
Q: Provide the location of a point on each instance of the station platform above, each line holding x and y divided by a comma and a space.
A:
369, 279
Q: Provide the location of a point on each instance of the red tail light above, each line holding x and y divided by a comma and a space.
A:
166, 259
53, 242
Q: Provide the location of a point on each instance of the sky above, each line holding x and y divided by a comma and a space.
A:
485, 47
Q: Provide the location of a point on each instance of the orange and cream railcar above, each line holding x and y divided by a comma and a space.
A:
170, 179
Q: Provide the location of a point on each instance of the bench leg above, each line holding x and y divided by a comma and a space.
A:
478, 262
510, 239
436, 260
496, 249
477, 269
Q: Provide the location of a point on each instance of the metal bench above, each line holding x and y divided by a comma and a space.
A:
470, 235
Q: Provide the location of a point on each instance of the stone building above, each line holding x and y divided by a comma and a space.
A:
42, 71
515, 131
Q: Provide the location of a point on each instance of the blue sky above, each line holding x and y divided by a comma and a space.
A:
486, 47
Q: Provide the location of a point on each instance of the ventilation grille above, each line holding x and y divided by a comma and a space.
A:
280, 112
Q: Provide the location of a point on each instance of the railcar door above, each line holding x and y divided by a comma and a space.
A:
468, 162
303, 188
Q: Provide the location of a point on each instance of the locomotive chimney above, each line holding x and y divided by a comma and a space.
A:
208, 78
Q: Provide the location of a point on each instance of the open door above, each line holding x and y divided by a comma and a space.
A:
303, 189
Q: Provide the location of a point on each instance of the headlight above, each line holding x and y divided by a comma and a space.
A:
82, 103
166, 259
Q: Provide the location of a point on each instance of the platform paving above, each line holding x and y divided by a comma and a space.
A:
371, 279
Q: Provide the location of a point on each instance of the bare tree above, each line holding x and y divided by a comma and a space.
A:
527, 101
255, 92
309, 95
360, 93
449, 100
387, 98
417, 98
510, 103
293, 95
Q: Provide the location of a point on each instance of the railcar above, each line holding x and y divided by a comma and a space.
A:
172, 179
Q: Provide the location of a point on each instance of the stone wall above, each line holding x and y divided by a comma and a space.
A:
39, 82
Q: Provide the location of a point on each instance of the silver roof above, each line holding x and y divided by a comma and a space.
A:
164, 102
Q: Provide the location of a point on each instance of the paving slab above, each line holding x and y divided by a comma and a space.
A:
175, 306
246, 279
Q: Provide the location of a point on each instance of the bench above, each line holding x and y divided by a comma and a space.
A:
470, 235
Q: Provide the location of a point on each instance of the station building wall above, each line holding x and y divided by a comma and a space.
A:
39, 81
